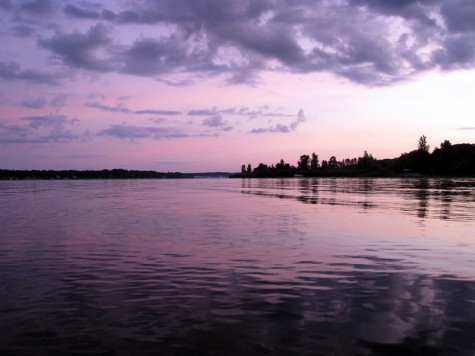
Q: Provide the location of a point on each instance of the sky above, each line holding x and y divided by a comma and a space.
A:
209, 85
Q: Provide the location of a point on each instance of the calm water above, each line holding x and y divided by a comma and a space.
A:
241, 267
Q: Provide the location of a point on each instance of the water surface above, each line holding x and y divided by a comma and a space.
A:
251, 266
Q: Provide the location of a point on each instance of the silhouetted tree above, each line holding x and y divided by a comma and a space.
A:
304, 163
314, 162
446, 145
366, 162
332, 163
422, 145
262, 170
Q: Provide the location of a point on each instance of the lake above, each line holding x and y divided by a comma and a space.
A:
238, 266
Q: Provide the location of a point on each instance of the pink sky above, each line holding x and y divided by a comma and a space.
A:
197, 86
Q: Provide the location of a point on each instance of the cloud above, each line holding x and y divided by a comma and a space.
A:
457, 52
158, 112
40, 129
371, 42
164, 55
279, 128
201, 112
133, 133
23, 30
38, 103
175, 83
240, 111
122, 109
79, 50
59, 101
466, 128
216, 121
5, 4
458, 15
13, 71
13, 133
74, 11
55, 121
118, 108
300, 119
38, 7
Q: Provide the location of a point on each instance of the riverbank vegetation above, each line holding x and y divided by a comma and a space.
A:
446, 160
73, 174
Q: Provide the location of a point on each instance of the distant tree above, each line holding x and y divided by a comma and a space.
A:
422, 145
366, 162
314, 162
243, 169
304, 163
332, 163
249, 168
282, 165
261, 170
444, 159
446, 145
283, 169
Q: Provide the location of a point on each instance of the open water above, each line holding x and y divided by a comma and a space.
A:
238, 267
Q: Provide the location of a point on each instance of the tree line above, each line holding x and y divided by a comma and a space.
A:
446, 160
87, 174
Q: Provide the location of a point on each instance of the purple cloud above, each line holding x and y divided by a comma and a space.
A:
279, 128
132, 133
216, 121
38, 103
372, 42
79, 50
40, 129
13, 71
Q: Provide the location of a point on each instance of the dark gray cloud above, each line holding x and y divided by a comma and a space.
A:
13, 133
163, 56
58, 122
118, 108
122, 109
133, 133
216, 121
5, 4
157, 112
79, 50
372, 42
59, 101
75, 11
277, 128
175, 83
23, 30
13, 71
38, 7
252, 113
40, 129
457, 52
201, 112
280, 128
459, 15
38, 103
